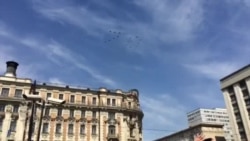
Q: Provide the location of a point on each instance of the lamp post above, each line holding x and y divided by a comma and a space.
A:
49, 102
33, 98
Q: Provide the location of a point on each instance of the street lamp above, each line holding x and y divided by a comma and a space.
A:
49, 102
32, 98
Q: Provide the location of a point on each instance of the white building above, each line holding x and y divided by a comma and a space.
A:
211, 116
235, 88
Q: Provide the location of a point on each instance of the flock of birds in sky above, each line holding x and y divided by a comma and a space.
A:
129, 41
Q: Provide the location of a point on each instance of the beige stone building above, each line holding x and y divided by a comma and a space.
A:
210, 131
87, 115
235, 88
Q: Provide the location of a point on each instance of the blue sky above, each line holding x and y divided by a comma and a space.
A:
173, 52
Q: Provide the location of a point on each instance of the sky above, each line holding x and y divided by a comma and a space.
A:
173, 52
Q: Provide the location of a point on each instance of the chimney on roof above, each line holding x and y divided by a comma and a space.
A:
11, 69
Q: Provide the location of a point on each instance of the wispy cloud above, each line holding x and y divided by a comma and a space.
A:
161, 113
213, 70
56, 52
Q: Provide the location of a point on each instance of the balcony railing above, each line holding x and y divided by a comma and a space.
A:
112, 136
123, 106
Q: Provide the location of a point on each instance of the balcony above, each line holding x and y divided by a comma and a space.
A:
122, 106
11, 98
112, 136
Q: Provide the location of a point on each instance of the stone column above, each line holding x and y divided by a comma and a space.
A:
21, 123
6, 122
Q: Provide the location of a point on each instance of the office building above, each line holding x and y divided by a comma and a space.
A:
211, 116
88, 114
235, 88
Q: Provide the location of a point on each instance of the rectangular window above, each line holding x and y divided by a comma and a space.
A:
83, 99
2, 108
18, 93
111, 130
1, 124
111, 115
45, 127
59, 112
108, 102
93, 129
71, 114
15, 109
72, 98
113, 102
49, 95
13, 126
47, 111
94, 101
5, 92
60, 96
70, 128
58, 128
82, 113
129, 104
82, 129
33, 128
94, 114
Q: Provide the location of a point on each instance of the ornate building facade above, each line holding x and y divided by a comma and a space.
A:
88, 114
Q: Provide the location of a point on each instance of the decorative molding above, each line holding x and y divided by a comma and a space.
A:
46, 117
59, 118
8, 109
71, 119
83, 119
112, 121
94, 120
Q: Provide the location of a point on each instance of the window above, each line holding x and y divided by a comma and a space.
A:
82, 129
61, 96
111, 130
94, 114
113, 102
49, 95
1, 124
94, 101
15, 108
58, 128
129, 104
59, 112
71, 114
5, 92
13, 126
72, 98
82, 113
111, 115
45, 127
47, 111
83, 99
18, 93
2, 107
108, 102
70, 128
33, 128
93, 129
